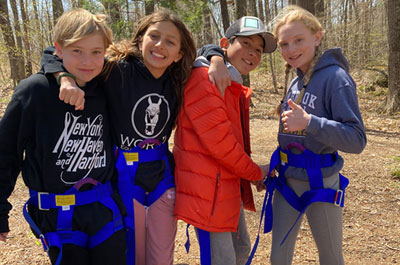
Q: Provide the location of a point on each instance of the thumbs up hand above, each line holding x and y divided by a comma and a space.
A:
295, 119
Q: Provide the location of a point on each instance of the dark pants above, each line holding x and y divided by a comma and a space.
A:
111, 251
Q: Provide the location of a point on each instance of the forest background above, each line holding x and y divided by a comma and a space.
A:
368, 31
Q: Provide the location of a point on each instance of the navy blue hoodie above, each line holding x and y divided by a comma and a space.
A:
331, 99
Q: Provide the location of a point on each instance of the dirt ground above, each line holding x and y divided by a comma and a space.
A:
371, 219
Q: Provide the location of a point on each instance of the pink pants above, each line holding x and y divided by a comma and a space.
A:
155, 230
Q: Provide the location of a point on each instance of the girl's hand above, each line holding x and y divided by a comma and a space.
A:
219, 74
3, 236
71, 94
296, 119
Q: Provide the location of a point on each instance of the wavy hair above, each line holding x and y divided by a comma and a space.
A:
78, 23
179, 72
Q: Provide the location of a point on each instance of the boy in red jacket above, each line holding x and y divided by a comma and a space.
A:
212, 148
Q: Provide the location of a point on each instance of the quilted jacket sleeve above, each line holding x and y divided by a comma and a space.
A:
207, 114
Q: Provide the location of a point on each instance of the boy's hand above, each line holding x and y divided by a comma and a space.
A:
219, 74
3, 236
71, 94
295, 119
259, 185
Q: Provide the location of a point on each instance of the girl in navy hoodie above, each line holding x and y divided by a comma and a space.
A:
319, 115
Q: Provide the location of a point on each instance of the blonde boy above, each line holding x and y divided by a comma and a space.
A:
65, 155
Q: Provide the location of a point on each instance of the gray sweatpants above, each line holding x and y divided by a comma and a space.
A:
325, 220
231, 248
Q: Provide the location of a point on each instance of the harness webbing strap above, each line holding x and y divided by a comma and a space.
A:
64, 234
205, 246
313, 164
127, 163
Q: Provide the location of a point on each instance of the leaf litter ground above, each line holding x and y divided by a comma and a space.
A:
371, 219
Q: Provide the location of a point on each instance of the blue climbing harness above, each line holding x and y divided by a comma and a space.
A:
312, 163
127, 163
203, 237
65, 203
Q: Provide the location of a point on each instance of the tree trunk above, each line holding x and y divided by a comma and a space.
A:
37, 25
148, 6
252, 8
273, 74
393, 95
6, 29
224, 14
207, 36
18, 33
320, 11
261, 10
127, 11
28, 65
268, 13
307, 4
240, 8
58, 10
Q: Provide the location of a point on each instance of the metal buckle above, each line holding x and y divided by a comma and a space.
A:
44, 243
40, 202
339, 195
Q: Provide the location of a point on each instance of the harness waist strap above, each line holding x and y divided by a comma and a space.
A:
46, 201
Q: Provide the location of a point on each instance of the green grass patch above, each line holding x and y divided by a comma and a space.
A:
396, 173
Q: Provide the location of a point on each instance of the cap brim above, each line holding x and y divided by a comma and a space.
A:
269, 39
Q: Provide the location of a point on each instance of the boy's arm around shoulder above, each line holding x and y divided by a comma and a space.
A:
50, 62
218, 72
70, 93
207, 114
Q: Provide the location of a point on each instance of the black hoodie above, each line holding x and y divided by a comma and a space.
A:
52, 144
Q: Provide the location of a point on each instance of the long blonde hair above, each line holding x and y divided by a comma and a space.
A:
287, 15
76, 24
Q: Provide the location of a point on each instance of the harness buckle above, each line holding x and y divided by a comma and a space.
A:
40, 201
338, 198
44, 243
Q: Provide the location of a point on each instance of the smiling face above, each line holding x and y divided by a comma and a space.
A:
297, 44
244, 53
83, 58
160, 47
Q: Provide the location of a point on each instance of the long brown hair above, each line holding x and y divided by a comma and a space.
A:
288, 15
179, 72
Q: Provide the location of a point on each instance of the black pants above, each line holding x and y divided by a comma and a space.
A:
89, 219
110, 252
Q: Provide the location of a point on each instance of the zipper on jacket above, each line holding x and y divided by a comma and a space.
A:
215, 193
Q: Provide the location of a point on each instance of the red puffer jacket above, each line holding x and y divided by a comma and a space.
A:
210, 155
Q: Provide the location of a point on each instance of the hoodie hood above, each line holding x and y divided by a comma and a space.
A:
328, 58
333, 57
